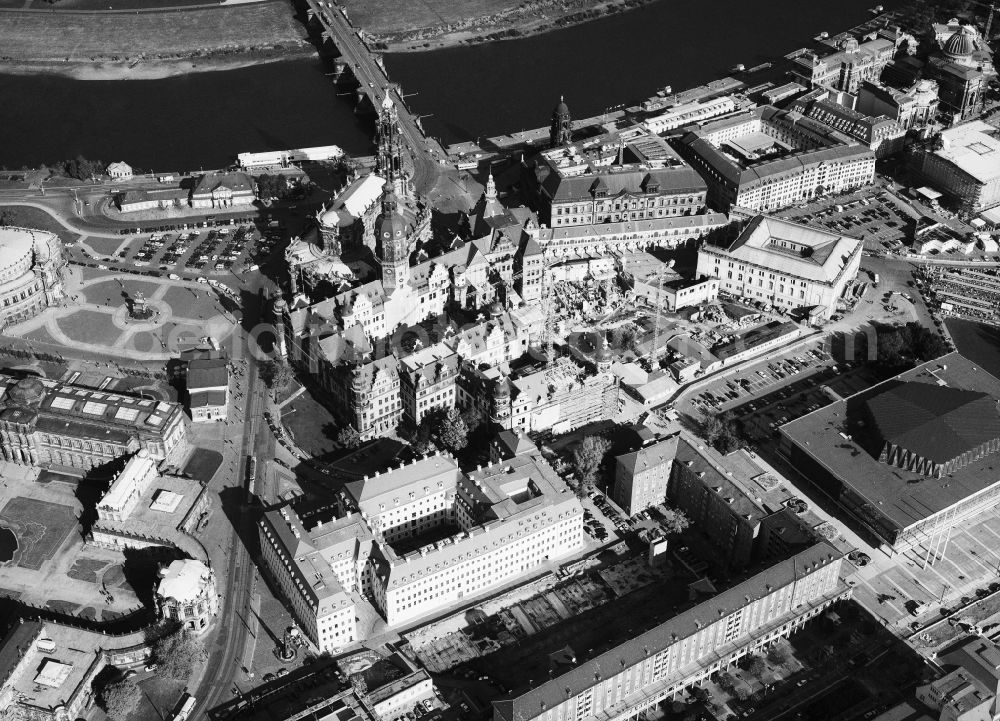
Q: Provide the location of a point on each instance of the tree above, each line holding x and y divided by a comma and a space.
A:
675, 521
777, 654
348, 437
727, 682
473, 418
588, 457
276, 374
452, 432
722, 432
177, 653
120, 698
757, 665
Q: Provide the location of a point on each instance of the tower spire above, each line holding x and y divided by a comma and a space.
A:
491, 187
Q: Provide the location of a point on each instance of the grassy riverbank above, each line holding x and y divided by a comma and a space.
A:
402, 26
91, 45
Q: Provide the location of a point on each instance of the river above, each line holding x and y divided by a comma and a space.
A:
205, 119
514, 85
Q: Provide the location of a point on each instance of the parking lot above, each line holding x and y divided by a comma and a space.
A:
881, 220
756, 381
189, 252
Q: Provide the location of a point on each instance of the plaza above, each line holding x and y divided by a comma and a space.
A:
96, 317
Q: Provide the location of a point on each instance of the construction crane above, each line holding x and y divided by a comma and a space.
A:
658, 316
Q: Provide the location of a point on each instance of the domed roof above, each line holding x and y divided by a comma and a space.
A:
962, 44
562, 108
27, 392
501, 389
494, 309
15, 246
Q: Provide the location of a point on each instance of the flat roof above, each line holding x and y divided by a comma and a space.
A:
52, 677
974, 149
901, 497
150, 517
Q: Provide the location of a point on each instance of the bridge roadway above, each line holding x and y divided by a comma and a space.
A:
427, 152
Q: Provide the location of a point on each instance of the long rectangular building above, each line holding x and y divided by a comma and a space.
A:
660, 663
46, 422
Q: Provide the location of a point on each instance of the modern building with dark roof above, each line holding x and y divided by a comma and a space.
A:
661, 663
910, 457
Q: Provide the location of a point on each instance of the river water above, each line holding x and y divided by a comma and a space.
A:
205, 119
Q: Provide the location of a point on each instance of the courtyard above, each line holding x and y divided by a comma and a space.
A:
51, 566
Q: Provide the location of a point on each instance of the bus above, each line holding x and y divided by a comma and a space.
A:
186, 708
251, 477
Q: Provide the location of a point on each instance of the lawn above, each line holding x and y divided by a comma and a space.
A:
203, 464
188, 302
379, 16
89, 326
40, 528
28, 217
159, 698
179, 34
111, 288
106, 247
311, 426
40, 335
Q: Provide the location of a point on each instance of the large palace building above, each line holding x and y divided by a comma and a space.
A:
418, 539
48, 423
31, 273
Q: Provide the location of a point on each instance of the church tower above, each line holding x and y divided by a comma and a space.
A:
561, 132
392, 242
389, 142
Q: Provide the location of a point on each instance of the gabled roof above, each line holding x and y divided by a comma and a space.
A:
392, 487
207, 373
677, 179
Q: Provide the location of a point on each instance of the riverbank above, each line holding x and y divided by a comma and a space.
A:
153, 68
88, 45
525, 20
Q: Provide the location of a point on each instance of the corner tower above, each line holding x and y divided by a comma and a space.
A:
561, 131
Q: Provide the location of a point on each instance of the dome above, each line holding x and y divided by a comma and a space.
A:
329, 218
501, 389
562, 108
962, 44
27, 392
494, 309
